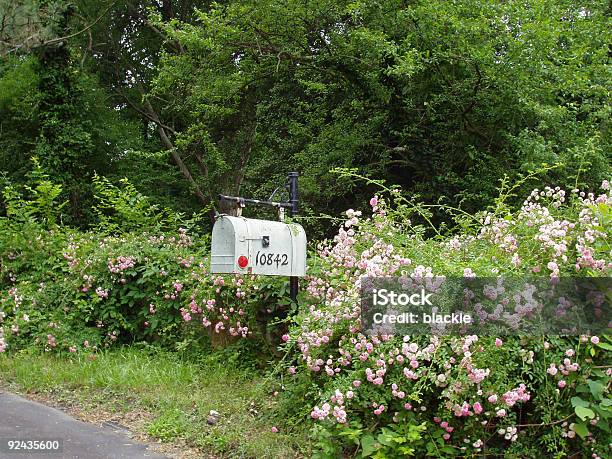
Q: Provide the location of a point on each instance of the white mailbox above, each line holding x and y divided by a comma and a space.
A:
248, 246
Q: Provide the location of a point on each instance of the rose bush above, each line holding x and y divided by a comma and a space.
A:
65, 290
70, 291
91, 291
388, 396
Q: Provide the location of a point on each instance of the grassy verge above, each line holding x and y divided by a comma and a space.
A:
172, 396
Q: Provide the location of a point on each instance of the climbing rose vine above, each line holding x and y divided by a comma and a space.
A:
521, 395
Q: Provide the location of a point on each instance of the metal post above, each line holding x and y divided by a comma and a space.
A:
293, 192
293, 211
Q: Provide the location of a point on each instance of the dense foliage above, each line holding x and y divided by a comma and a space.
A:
433, 95
442, 396
121, 122
69, 290
382, 396
190, 99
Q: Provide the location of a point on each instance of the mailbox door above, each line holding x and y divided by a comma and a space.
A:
298, 267
229, 242
276, 248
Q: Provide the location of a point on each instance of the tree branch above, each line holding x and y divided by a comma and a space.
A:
144, 113
174, 153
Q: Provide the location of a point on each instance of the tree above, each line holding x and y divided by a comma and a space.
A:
443, 98
124, 51
68, 125
191, 98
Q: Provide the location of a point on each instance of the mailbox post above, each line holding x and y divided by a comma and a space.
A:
293, 199
250, 246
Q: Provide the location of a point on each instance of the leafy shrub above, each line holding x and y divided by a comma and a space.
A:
40, 201
143, 277
375, 396
516, 397
122, 209
96, 290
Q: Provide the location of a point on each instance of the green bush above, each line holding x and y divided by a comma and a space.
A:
369, 396
520, 396
141, 276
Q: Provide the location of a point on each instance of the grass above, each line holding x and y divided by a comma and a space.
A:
176, 392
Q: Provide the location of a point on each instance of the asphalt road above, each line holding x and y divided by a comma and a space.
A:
21, 419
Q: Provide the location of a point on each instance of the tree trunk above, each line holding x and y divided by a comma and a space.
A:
181, 165
175, 155
166, 11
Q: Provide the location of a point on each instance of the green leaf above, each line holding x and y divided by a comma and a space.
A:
385, 438
577, 401
596, 387
368, 445
581, 430
584, 413
606, 346
406, 451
